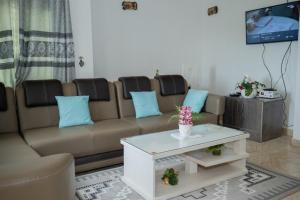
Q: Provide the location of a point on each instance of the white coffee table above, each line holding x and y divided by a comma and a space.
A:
201, 168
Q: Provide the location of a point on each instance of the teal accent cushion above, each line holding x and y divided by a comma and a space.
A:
145, 104
195, 99
73, 111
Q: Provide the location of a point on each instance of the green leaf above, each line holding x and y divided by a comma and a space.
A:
216, 147
173, 180
173, 117
196, 116
248, 91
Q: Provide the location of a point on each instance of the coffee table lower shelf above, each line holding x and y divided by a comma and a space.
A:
191, 182
141, 153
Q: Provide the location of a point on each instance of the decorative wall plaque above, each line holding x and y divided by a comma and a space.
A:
129, 5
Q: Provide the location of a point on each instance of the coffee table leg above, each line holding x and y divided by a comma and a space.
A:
240, 147
139, 172
190, 167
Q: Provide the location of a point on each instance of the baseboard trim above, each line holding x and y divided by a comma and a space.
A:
288, 132
296, 142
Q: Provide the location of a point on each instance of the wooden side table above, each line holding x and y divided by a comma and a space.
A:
262, 118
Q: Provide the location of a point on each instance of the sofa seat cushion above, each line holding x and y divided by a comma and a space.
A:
207, 118
155, 123
76, 140
14, 149
107, 134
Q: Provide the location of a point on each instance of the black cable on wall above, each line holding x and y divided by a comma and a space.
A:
265, 64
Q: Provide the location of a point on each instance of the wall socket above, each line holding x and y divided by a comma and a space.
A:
212, 10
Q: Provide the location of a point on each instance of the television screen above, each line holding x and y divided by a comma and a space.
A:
273, 24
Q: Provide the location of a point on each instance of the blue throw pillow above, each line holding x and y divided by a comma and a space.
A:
195, 99
73, 110
145, 104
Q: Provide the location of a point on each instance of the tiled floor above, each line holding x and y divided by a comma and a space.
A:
277, 155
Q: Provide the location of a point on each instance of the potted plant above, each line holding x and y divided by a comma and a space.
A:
185, 118
170, 177
249, 88
215, 150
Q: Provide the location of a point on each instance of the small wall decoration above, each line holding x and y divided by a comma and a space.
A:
81, 62
129, 5
212, 10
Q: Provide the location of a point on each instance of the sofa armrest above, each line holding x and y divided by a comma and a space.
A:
47, 178
215, 104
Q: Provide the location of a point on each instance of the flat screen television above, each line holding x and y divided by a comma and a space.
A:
277, 23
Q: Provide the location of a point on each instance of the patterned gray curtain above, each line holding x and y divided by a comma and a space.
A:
46, 41
6, 37
6, 50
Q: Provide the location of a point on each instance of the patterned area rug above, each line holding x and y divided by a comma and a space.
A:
258, 184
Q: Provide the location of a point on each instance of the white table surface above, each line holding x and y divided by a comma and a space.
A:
162, 142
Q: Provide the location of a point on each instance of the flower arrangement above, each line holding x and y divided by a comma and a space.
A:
185, 115
185, 118
249, 87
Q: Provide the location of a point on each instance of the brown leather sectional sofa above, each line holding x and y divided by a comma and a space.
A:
43, 158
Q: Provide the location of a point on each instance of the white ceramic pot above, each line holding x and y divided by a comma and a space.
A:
251, 96
185, 131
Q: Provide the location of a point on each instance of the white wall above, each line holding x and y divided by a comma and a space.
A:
178, 37
82, 33
226, 57
160, 34
296, 129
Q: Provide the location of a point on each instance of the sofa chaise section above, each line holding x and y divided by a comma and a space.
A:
23, 173
46, 178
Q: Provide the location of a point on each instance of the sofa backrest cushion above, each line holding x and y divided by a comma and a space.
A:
41, 92
171, 85
8, 116
100, 110
168, 103
37, 116
126, 107
97, 89
134, 84
3, 100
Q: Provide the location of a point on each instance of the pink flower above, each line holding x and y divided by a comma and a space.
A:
185, 115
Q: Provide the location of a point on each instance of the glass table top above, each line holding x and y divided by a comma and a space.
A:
161, 142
